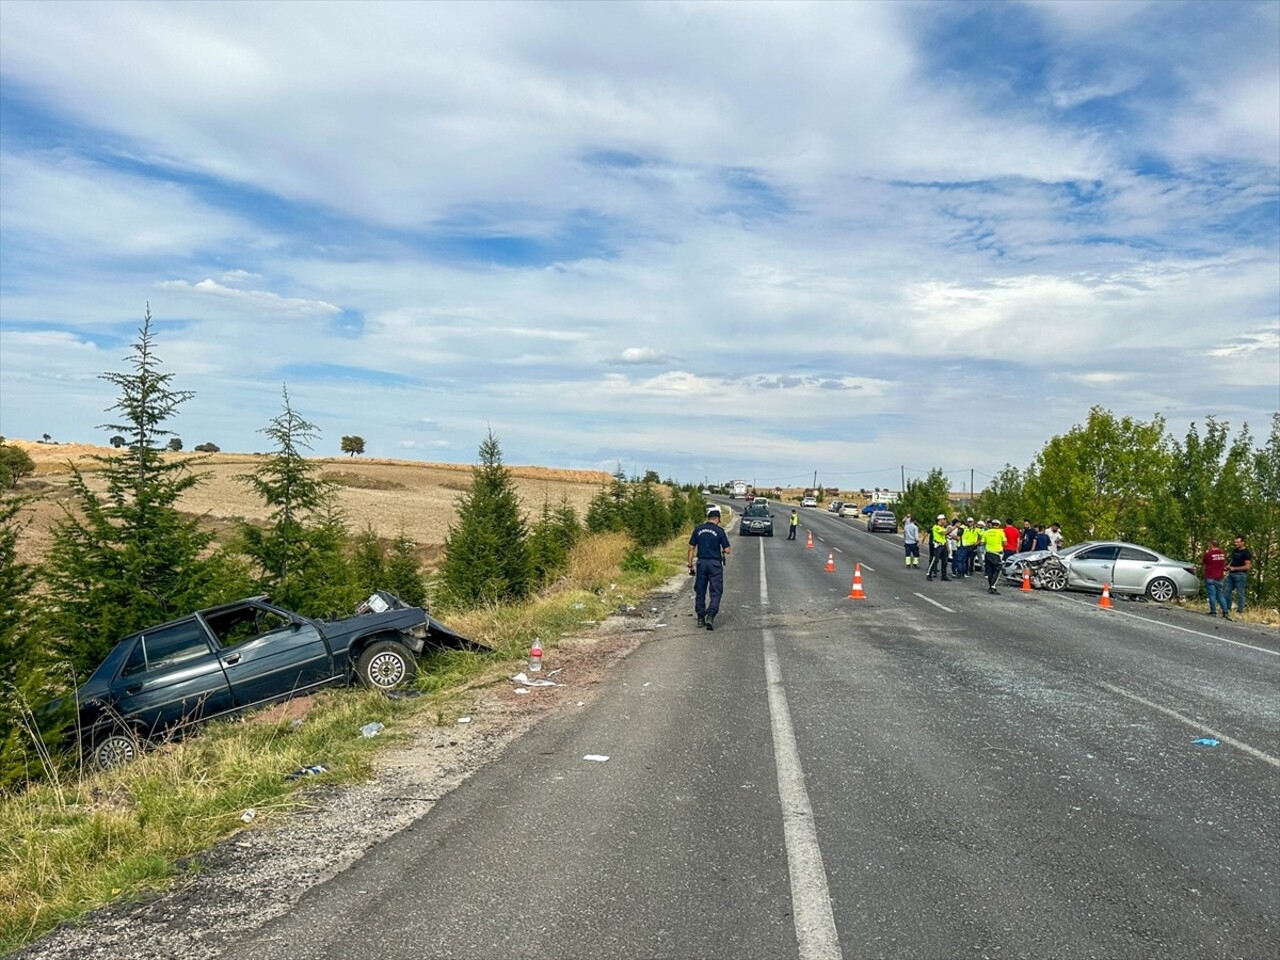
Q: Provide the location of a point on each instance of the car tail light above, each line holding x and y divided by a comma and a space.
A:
1191, 570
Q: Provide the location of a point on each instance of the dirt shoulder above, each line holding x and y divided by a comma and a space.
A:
263, 870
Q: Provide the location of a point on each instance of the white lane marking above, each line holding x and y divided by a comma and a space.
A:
815, 922
934, 602
837, 550
1174, 626
1195, 725
764, 582
869, 569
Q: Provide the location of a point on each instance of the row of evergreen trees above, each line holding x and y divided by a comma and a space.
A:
124, 557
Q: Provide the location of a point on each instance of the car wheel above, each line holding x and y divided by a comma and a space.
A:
1162, 590
114, 748
1053, 576
385, 665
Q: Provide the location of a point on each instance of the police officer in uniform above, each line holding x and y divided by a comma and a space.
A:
710, 545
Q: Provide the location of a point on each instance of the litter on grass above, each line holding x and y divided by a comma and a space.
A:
248, 815
371, 729
312, 771
597, 757
522, 690
1206, 742
464, 719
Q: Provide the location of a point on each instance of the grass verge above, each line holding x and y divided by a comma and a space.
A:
78, 844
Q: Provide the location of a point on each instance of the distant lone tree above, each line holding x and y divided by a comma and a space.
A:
175, 444
45, 438
15, 463
117, 441
353, 445
207, 448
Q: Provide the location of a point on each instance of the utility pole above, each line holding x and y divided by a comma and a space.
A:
902, 488
815, 486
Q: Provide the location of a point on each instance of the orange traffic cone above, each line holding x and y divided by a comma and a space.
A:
1026, 579
1105, 602
809, 543
855, 591
831, 563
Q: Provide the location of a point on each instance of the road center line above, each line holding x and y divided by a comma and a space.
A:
764, 581
815, 922
934, 602
1195, 725
1174, 626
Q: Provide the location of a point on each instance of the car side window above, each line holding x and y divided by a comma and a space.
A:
1133, 553
166, 647
1098, 553
245, 623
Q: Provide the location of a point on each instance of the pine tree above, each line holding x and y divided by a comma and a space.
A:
486, 555
403, 573
24, 671
299, 554
126, 558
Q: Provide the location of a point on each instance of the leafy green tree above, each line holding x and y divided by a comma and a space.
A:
1103, 480
207, 448
486, 553
300, 553
353, 445
925, 499
1195, 480
117, 441
1264, 535
1004, 496
15, 463
175, 444
127, 558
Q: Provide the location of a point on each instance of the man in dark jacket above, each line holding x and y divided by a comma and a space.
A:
709, 545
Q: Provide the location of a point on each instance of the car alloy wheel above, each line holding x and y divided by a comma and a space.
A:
1053, 576
385, 665
1162, 590
114, 749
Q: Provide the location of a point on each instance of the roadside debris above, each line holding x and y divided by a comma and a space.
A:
464, 719
312, 771
248, 815
597, 757
1206, 742
521, 678
371, 729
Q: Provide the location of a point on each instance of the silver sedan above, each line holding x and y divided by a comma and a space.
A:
1127, 568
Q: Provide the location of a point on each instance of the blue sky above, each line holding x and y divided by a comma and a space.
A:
714, 240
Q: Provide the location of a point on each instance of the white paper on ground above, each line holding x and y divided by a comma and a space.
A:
521, 678
599, 758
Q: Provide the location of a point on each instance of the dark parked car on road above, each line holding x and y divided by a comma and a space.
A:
242, 655
1126, 568
756, 521
882, 521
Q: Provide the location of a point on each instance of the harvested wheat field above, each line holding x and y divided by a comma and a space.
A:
390, 496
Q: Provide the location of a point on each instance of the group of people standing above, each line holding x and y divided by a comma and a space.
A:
1224, 579
962, 546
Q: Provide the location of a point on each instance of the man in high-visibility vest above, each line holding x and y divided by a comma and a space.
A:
968, 544
993, 537
938, 538
795, 524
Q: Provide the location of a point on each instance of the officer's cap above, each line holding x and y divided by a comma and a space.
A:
713, 511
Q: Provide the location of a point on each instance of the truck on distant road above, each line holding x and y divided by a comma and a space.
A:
739, 489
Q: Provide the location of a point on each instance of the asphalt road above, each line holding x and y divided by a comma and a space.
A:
928, 772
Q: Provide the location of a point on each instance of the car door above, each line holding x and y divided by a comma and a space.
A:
172, 675
1093, 567
1133, 569
268, 654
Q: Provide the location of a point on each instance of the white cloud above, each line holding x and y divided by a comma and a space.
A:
253, 299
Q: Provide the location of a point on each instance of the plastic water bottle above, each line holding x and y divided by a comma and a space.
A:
535, 657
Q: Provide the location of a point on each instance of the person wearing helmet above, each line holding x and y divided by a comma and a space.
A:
709, 545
